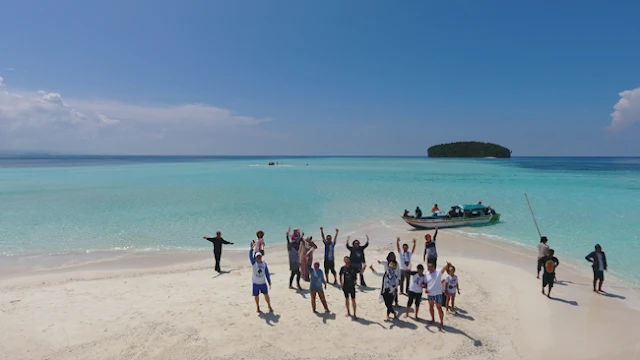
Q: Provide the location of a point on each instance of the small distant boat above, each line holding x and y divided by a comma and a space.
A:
459, 215
272, 163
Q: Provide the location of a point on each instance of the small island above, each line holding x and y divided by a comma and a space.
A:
469, 149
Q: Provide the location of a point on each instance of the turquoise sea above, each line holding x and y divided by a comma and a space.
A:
66, 204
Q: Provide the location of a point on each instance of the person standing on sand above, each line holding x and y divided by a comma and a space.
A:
315, 286
430, 253
389, 289
260, 241
434, 290
294, 261
357, 257
543, 248
260, 277
217, 241
405, 264
599, 265
452, 285
329, 255
415, 289
391, 257
348, 285
549, 263
307, 246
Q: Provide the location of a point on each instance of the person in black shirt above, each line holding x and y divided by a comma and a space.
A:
348, 285
357, 257
549, 264
217, 247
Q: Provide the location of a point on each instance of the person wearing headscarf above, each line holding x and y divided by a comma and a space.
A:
294, 260
430, 252
317, 284
307, 246
389, 289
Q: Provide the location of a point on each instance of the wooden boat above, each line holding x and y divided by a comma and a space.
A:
459, 215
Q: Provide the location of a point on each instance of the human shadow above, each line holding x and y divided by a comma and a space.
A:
461, 311
561, 283
366, 289
452, 330
225, 272
460, 315
326, 316
367, 322
401, 324
611, 295
270, 318
302, 292
570, 302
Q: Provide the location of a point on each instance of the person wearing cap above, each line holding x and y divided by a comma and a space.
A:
316, 283
543, 249
599, 264
260, 277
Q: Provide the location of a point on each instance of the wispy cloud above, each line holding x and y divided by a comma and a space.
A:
11, 69
626, 110
45, 121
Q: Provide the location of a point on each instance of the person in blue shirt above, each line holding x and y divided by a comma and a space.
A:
329, 255
260, 278
316, 284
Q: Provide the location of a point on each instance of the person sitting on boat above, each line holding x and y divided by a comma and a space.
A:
418, 212
406, 213
435, 210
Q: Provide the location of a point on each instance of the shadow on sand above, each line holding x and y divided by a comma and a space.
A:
461, 315
225, 272
452, 330
615, 296
570, 302
302, 292
269, 318
326, 316
401, 323
368, 322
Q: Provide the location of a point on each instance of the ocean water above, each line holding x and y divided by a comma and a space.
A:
66, 204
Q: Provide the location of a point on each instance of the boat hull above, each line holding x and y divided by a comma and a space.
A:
445, 222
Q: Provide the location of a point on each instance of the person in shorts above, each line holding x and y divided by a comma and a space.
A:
260, 278
598, 262
329, 255
348, 276
549, 264
452, 286
415, 289
434, 291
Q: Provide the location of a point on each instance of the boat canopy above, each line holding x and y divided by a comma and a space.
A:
473, 207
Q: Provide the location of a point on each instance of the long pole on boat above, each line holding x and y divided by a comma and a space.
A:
533, 216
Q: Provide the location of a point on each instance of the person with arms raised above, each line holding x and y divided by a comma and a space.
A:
217, 241
357, 257
329, 254
434, 290
430, 252
260, 277
405, 264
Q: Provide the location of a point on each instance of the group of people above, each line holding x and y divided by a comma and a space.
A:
549, 263
399, 276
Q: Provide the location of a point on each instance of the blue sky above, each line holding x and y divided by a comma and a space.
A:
324, 77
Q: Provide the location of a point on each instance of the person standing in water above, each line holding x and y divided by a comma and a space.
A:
357, 257
405, 264
434, 290
260, 277
315, 286
430, 253
598, 262
549, 263
329, 256
260, 244
415, 290
543, 248
389, 289
217, 241
348, 285
294, 261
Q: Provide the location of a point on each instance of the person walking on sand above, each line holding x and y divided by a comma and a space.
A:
549, 263
405, 264
389, 289
430, 253
452, 285
599, 265
316, 286
260, 244
306, 249
415, 289
434, 290
260, 277
543, 248
357, 257
329, 255
217, 241
348, 285
294, 261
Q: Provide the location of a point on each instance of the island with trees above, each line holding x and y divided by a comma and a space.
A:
469, 149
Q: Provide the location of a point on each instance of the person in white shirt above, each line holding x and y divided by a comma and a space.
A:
418, 283
542, 252
260, 277
405, 264
434, 290
452, 286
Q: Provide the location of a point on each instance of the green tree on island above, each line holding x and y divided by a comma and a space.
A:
469, 149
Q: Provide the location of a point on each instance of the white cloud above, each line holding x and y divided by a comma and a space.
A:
627, 110
11, 69
44, 121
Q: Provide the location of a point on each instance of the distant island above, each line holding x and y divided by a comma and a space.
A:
469, 149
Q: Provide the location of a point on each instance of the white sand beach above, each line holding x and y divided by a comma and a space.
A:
174, 306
